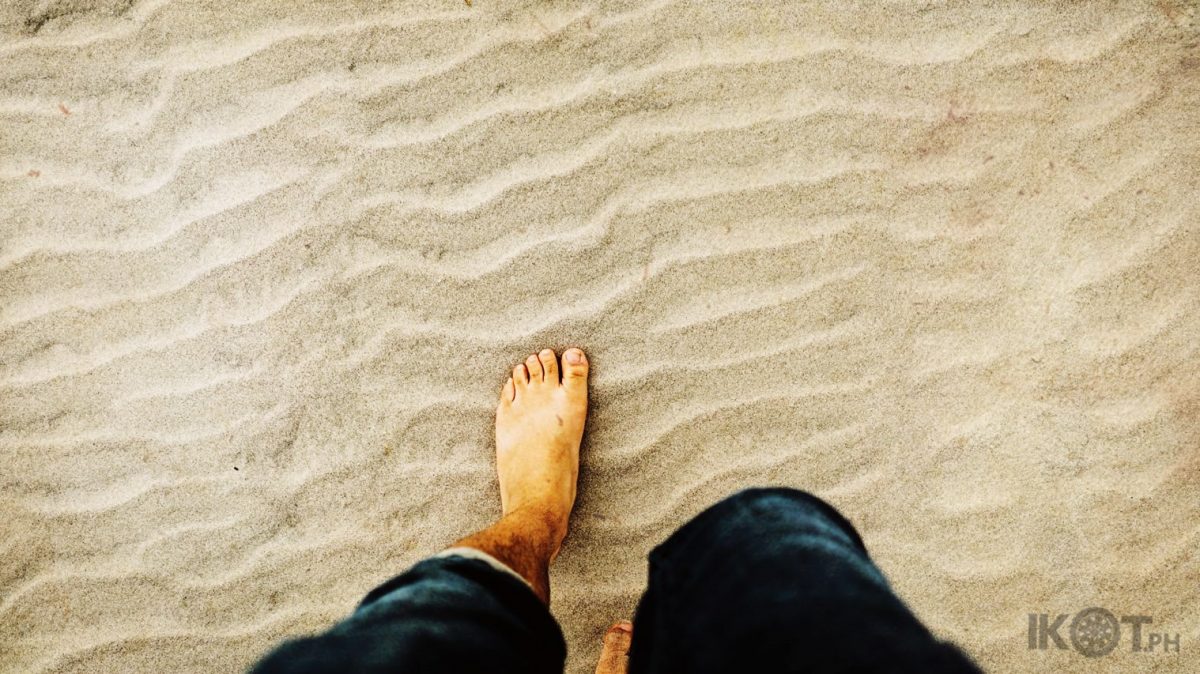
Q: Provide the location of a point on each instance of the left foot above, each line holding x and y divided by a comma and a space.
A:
539, 424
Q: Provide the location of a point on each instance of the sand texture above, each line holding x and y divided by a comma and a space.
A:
264, 266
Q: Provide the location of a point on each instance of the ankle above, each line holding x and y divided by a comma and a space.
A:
541, 520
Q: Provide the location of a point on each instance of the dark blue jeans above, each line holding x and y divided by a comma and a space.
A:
767, 580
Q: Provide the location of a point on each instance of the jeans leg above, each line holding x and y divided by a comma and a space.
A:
776, 580
446, 614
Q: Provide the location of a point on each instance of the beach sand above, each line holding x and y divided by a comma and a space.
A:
265, 266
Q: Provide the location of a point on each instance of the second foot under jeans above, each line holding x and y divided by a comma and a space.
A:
767, 580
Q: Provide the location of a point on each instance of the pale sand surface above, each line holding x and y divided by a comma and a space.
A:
265, 265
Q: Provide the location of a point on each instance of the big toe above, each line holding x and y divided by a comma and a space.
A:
614, 657
575, 371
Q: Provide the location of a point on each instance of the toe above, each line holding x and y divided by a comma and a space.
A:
549, 365
520, 377
614, 656
575, 371
508, 392
535, 368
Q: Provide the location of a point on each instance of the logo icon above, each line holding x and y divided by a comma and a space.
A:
1095, 632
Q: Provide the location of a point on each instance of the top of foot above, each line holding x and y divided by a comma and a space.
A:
539, 424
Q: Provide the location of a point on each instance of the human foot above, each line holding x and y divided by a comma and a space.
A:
614, 656
539, 423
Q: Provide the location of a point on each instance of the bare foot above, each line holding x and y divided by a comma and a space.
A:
614, 657
539, 424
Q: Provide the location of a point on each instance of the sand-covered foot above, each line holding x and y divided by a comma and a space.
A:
614, 657
539, 424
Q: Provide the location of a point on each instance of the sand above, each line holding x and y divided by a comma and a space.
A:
265, 265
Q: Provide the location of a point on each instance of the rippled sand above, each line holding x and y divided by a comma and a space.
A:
264, 268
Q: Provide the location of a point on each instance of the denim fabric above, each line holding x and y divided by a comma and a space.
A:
446, 614
767, 580
776, 580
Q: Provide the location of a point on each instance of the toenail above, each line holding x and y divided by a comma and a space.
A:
574, 356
